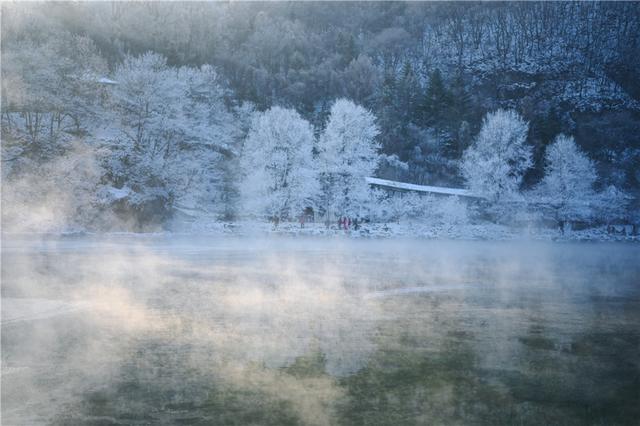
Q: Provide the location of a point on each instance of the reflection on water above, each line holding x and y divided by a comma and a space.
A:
158, 330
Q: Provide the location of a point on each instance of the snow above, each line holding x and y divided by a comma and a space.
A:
420, 188
189, 211
110, 193
119, 193
402, 230
105, 80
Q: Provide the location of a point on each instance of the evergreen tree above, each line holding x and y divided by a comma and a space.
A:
388, 114
346, 47
460, 101
436, 101
407, 94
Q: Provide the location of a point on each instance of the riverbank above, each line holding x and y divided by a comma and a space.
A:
404, 230
410, 230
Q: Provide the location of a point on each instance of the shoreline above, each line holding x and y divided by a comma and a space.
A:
381, 231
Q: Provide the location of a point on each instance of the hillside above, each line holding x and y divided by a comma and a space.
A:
78, 80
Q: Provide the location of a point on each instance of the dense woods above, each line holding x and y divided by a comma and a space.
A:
134, 110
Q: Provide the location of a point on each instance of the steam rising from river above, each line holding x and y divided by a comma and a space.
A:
183, 315
224, 318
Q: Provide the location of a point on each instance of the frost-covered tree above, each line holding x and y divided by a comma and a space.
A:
277, 164
611, 205
49, 93
347, 154
173, 134
208, 135
567, 186
147, 101
493, 166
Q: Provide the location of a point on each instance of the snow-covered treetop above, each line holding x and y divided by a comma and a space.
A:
277, 164
496, 162
348, 140
569, 172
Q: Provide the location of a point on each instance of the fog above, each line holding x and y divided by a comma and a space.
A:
170, 329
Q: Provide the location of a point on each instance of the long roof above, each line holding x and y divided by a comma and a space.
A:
403, 186
105, 80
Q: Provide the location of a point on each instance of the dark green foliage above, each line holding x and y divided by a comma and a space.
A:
437, 100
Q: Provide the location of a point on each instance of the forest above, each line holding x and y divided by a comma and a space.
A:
123, 115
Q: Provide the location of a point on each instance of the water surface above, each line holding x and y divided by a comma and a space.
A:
124, 330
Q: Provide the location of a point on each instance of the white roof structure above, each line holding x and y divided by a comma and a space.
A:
403, 186
105, 80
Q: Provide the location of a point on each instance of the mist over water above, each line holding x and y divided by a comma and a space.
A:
185, 330
348, 122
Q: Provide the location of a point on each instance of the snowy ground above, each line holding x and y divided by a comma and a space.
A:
486, 231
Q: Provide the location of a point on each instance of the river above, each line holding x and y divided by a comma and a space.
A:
180, 329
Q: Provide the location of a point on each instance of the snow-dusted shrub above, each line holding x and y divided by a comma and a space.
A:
414, 206
451, 211
383, 207
427, 209
396, 207
610, 205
